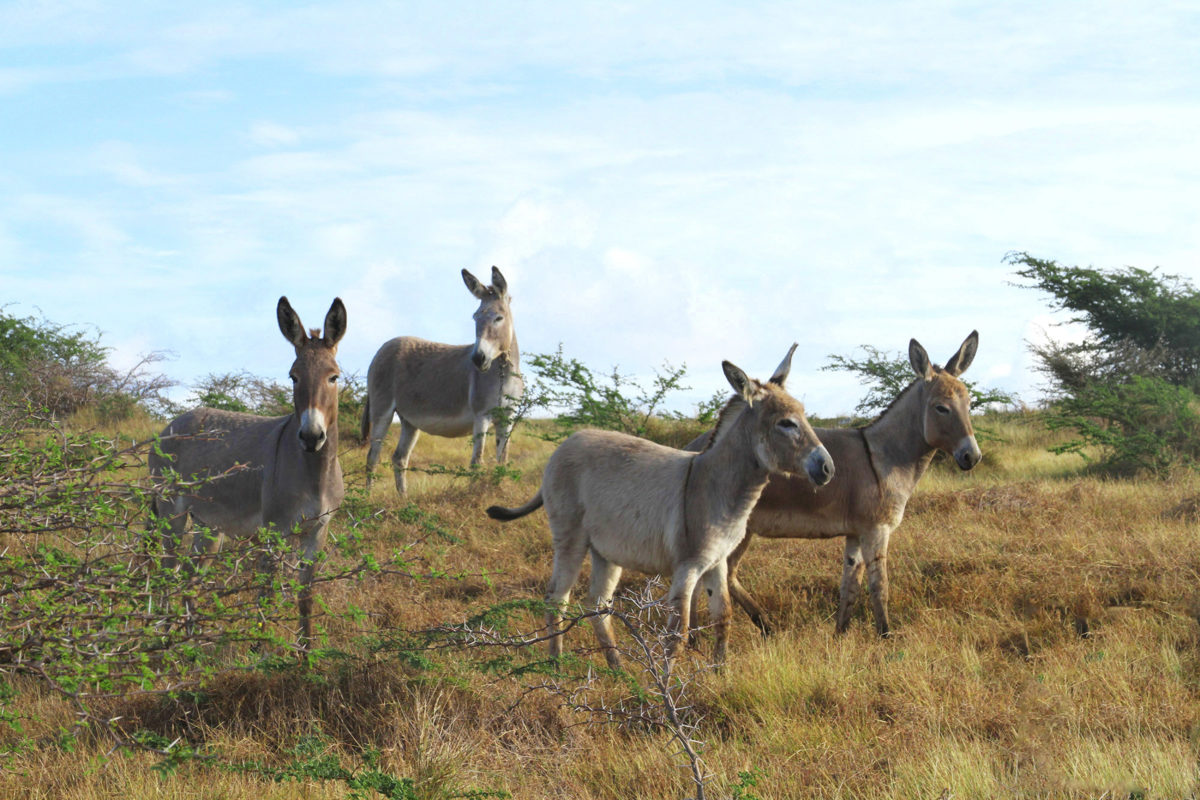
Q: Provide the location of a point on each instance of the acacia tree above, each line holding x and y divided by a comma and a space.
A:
1128, 390
1140, 323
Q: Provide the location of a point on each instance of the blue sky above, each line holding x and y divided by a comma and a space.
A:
673, 181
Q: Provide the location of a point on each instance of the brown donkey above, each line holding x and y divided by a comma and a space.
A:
635, 504
293, 480
878, 467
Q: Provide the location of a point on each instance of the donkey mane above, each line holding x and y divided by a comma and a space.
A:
891, 405
727, 412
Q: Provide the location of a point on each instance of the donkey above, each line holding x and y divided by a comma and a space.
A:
292, 480
635, 504
444, 389
879, 466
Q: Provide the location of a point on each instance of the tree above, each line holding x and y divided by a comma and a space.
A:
1141, 323
1128, 390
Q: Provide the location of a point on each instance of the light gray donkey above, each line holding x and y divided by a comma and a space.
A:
447, 390
878, 469
635, 504
292, 480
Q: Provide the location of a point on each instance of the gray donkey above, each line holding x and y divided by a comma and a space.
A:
292, 479
635, 504
447, 390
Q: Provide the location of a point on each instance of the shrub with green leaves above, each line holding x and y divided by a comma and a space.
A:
62, 368
1144, 424
613, 402
88, 609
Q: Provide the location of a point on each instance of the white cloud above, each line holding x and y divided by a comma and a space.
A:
271, 134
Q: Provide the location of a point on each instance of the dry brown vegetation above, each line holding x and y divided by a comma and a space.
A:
1046, 645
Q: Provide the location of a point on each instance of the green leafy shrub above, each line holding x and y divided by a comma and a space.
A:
614, 401
1145, 424
61, 369
90, 613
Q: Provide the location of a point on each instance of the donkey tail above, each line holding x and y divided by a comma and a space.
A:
505, 514
364, 427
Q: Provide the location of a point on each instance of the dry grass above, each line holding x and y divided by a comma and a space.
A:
1046, 646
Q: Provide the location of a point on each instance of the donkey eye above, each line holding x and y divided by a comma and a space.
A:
497, 320
941, 409
788, 424
334, 378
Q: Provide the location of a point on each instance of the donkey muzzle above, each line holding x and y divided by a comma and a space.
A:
968, 454
312, 430
819, 466
480, 360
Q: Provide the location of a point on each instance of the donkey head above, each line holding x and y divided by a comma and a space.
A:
948, 402
783, 439
493, 319
315, 371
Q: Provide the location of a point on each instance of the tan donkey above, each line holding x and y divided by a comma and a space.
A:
878, 468
292, 480
446, 390
635, 504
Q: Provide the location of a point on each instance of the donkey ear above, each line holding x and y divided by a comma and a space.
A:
335, 323
498, 282
919, 359
289, 323
742, 383
959, 362
785, 366
476, 288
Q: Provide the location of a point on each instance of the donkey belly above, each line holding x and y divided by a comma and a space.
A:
783, 524
453, 425
234, 522
646, 555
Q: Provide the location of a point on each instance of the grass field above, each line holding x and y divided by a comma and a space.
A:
1046, 645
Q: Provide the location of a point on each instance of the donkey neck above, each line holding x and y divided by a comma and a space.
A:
513, 355
896, 441
728, 474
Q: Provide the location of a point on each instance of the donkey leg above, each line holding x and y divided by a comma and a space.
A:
605, 576
170, 519
205, 542
313, 542
739, 593
683, 586
503, 431
716, 583
404, 448
478, 436
380, 420
875, 555
852, 575
568, 561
